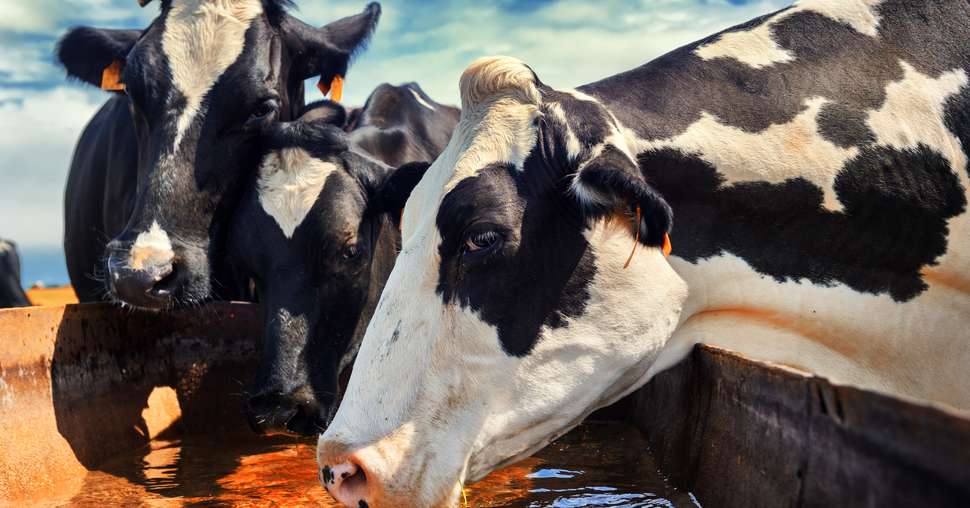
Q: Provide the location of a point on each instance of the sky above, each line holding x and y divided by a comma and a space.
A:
567, 42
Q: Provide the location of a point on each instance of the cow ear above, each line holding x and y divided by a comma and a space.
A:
325, 111
326, 52
396, 188
612, 182
96, 55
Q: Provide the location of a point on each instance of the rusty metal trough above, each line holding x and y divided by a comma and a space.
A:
83, 383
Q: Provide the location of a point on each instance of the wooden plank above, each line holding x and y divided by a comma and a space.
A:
741, 433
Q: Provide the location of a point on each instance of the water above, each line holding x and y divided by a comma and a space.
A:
596, 465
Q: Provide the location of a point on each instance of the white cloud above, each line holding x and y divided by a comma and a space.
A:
40, 131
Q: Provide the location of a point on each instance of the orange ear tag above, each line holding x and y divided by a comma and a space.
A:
111, 77
335, 88
667, 248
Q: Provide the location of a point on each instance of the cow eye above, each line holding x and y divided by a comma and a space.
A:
350, 252
481, 242
263, 111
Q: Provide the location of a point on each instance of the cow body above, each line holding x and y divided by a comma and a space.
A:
11, 289
158, 171
318, 232
821, 225
814, 161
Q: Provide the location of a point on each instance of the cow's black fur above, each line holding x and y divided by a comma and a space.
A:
11, 289
318, 288
118, 184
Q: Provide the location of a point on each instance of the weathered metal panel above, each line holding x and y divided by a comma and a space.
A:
82, 383
741, 433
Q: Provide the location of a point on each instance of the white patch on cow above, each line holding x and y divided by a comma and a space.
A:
573, 147
151, 250
5, 247
290, 180
779, 153
420, 99
757, 47
913, 114
202, 38
871, 341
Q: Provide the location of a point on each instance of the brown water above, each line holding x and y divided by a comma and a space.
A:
595, 465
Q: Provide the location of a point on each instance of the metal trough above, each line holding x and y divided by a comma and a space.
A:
84, 383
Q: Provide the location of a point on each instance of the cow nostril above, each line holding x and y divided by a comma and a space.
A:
170, 279
347, 483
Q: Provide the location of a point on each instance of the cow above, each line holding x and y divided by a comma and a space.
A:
157, 172
815, 160
11, 291
318, 232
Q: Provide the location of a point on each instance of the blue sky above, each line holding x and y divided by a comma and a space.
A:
567, 42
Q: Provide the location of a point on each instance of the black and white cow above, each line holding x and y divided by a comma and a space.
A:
158, 170
816, 161
11, 291
318, 232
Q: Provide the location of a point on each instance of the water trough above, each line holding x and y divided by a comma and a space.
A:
82, 384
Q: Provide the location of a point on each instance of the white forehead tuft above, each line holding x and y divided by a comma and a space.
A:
497, 75
420, 99
202, 39
290, 180
5, 247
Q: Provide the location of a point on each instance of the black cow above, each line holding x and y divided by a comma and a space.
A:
318, 232
11, 292
158, 171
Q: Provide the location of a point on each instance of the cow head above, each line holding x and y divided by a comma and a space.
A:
202, 81
515, 307
318, 232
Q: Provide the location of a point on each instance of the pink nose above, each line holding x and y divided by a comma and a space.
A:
347, 483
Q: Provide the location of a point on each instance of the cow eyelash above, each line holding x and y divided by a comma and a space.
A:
479, 243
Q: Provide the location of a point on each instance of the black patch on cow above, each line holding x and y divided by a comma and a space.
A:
894, 222
843, 125
538, 277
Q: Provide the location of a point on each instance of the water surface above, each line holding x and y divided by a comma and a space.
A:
596, 465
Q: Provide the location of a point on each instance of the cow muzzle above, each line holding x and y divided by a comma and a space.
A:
292, 413
144, 274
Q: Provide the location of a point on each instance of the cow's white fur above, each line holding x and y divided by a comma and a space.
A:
757, 47
913, 114
5, 247
776, 154
290, 180
420, 99
152, 249
202, 38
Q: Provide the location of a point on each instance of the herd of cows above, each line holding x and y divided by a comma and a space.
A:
447, 291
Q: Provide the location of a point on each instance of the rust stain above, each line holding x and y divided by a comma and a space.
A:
824, 334
952, 281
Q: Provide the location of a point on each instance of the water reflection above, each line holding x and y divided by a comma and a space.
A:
597, 465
